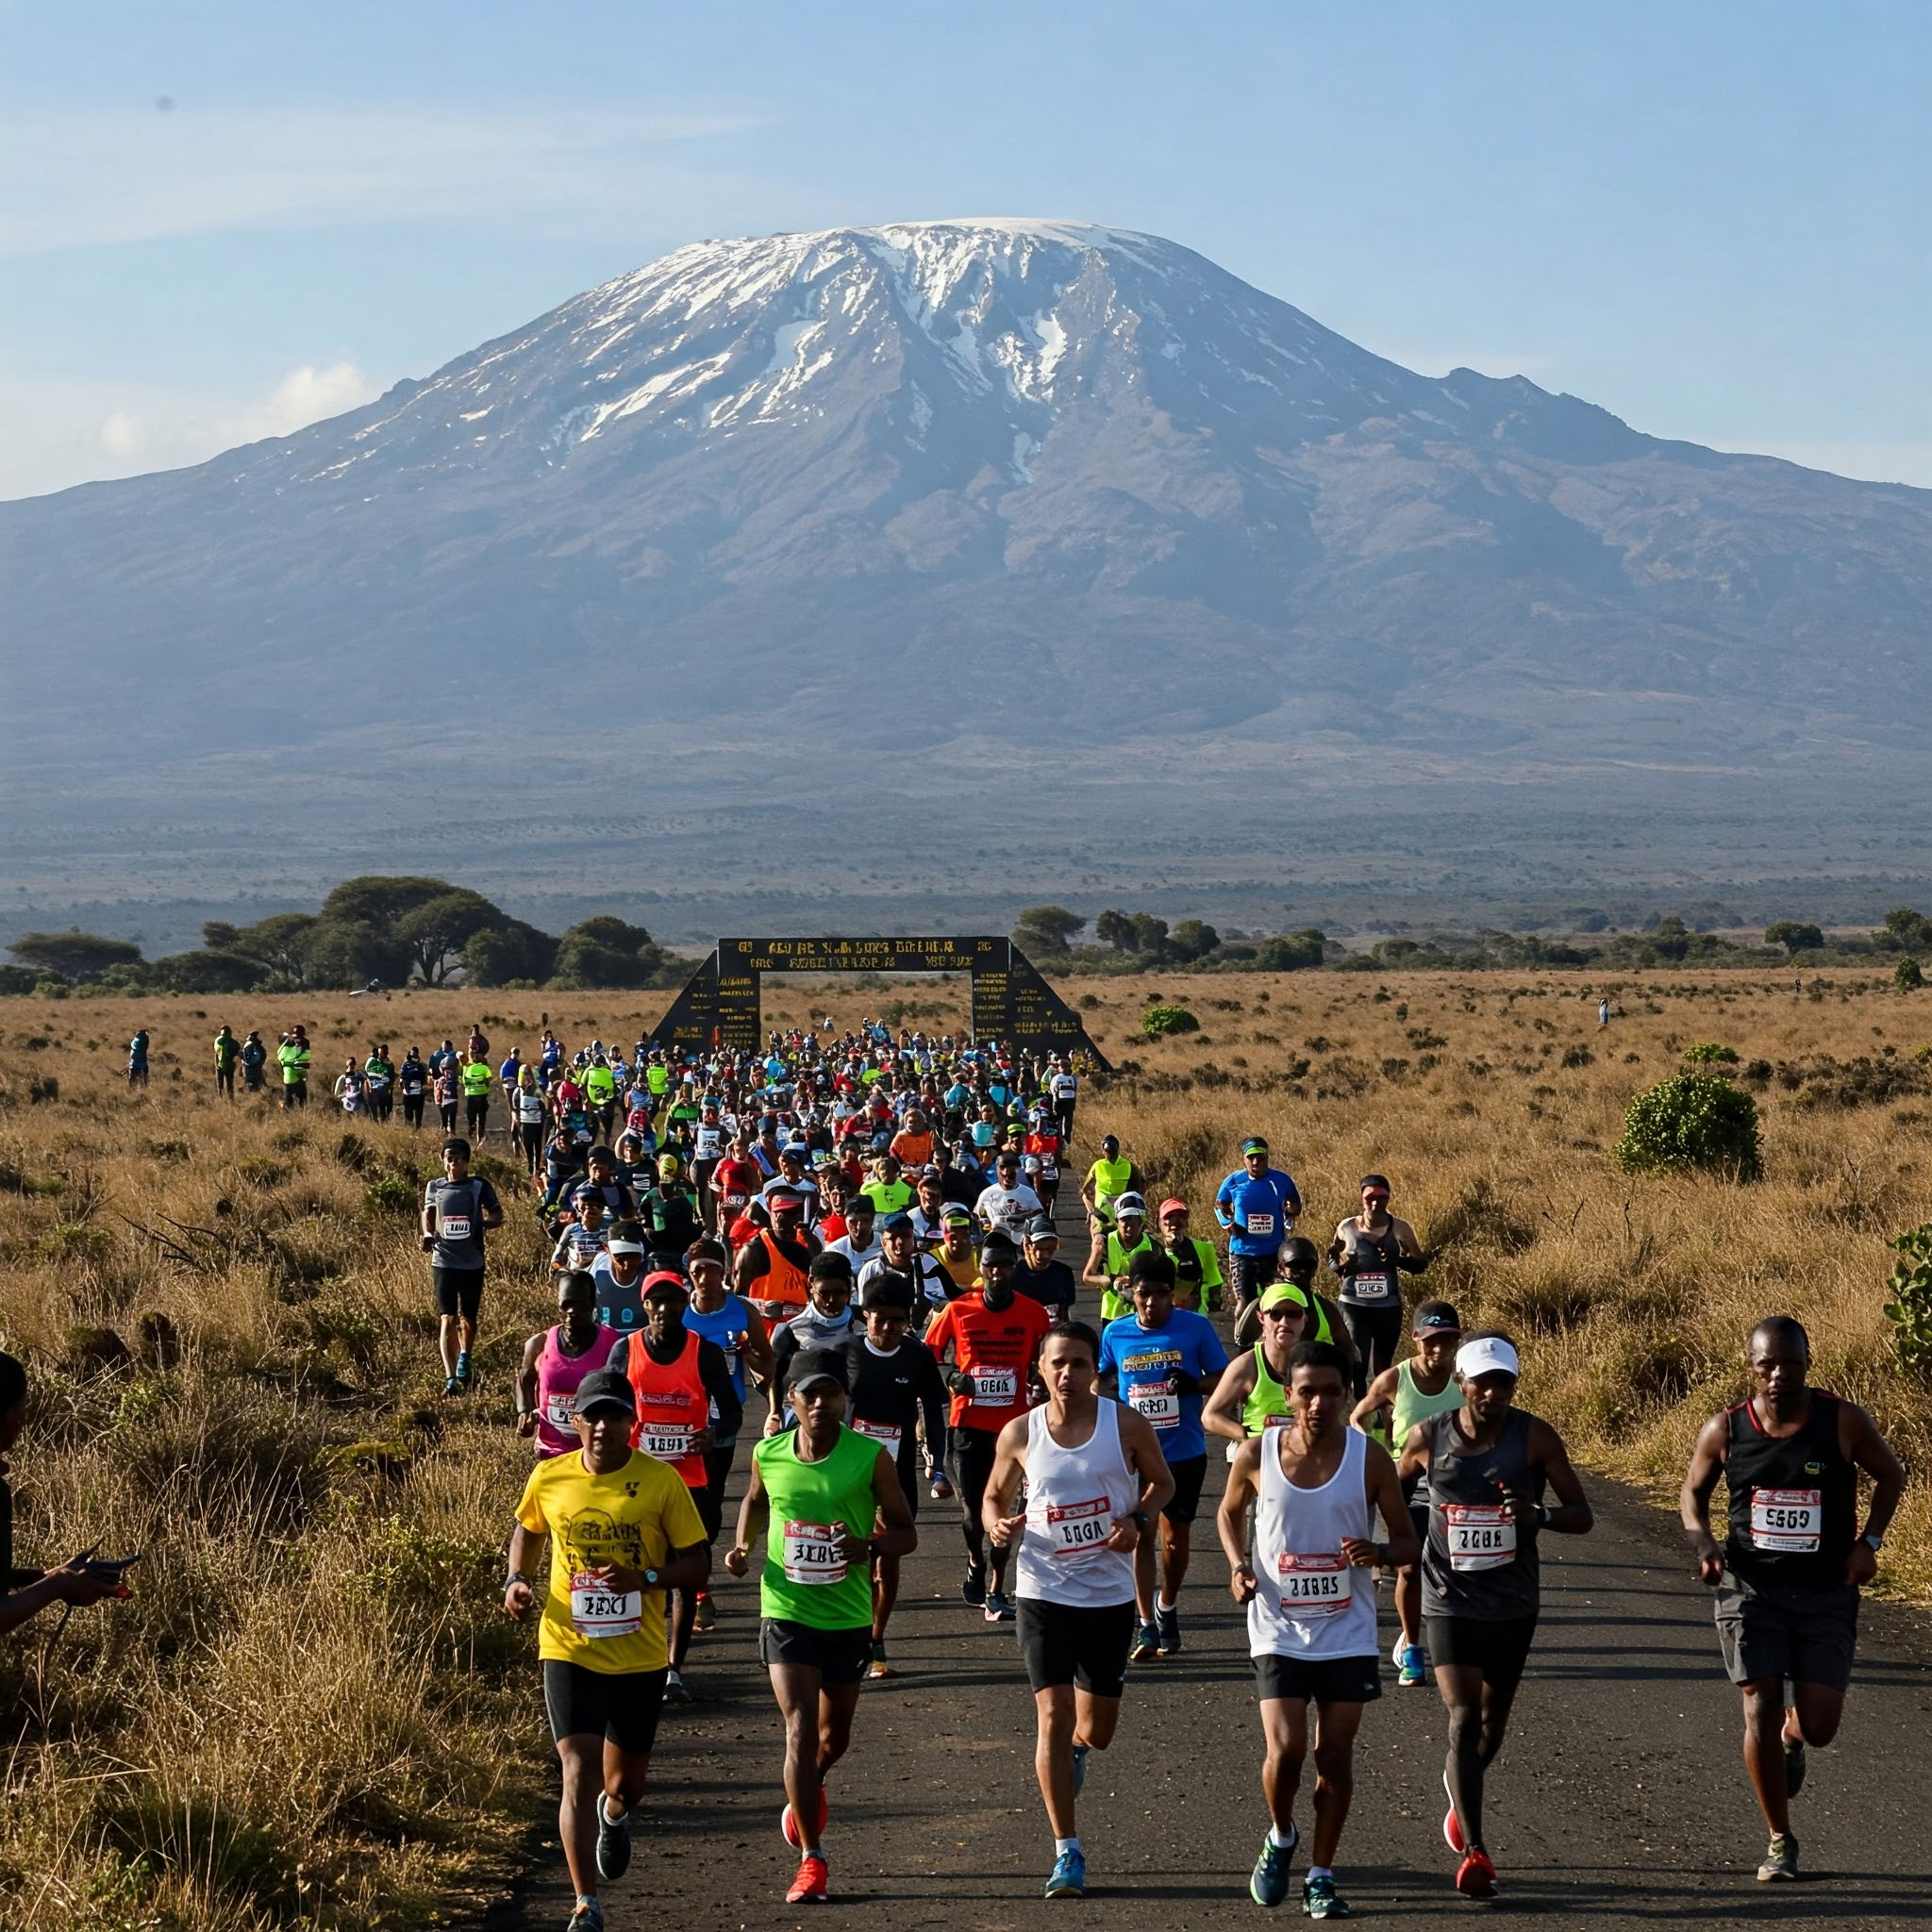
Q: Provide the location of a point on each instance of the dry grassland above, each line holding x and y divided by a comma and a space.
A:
312, 1711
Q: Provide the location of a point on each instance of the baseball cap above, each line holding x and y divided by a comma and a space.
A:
1488, 1355
662, 1281
956, 1216
782, 1197
901, 1219
1284, 1294
811, 1365
669, 1163
1130, 1204
1041, 1230
1436, 1318
1168, 1206
605, 1388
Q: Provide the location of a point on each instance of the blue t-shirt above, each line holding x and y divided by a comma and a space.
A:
1143, 1358
727, 1327
1256, 1211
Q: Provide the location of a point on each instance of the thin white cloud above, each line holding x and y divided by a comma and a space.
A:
84, 180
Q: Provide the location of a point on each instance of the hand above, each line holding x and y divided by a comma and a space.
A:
1181, 1383
701, 1442
960, 1382
942, 1486
738, 1559
616, 1578
81, 1583
1519, 1507
1710, 1560
775, 1421
1006, 1528
517, 1600
1862, 1565
526, 1423
1242, 1585
1125, 1536
1361, 1554
428, 1242
855, 1549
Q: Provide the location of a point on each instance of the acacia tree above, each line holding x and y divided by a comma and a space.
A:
73, 954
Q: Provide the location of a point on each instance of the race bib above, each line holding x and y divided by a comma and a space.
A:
995, 1388
664, 1440
883, 1434
560, 1411
1260, 1223
1481, 1536
1077, 1529
810, 1554
1313, 1583
1787, 1522
596, 1612
455, 1228
1156, 1404
1370, 1287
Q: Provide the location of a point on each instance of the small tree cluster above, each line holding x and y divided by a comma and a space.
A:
1692, 1121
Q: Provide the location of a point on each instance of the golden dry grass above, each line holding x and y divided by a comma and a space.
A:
311, 1709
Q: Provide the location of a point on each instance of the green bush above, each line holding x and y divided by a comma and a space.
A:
1908, 976
1691, 1121
1708, 1052
1157, 1021
1909, 1310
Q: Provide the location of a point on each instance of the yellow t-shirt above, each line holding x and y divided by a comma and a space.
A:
635, 1516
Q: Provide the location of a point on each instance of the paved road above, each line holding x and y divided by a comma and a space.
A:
1620, 1796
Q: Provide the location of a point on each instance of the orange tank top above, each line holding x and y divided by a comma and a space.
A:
783, 1280
673, 1406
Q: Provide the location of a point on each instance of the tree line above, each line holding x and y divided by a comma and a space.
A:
372, 930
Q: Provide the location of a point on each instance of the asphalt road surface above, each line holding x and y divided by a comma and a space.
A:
1620, 1796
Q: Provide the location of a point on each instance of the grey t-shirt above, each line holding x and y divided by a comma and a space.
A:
456, 1216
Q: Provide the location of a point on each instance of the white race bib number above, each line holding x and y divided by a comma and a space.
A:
455, 1228
1077, 1529
1481, 1536
811, 1554
995, 1388
1787, 1522
883, 1434
560, 1411
597, 1613
1156, 1402
1313, 1583
1370, 1288
1260, 1223
664, 1442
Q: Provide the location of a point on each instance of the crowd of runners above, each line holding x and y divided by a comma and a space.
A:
849, 1243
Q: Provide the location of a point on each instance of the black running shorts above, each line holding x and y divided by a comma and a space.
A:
1499, 1650
840, 1657
1068, 1643
1185, 1503
619, 1705
1809, 1636
1327, 1679
459, 1291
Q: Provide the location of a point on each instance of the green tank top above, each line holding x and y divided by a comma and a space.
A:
1110, 1179
1269, 1402
1412, 1405
1113, 1306
804, 1580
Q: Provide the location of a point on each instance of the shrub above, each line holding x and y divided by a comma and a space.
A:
1691, 1121
1156, 1022
1907, 976
1708, 1053
1909, 1310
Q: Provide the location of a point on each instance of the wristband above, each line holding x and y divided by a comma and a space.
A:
1543, 1513
516, 1576
1874, 1541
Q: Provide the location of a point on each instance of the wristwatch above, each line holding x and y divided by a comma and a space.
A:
1140, 1518
650, 1579
515, 1576
1874, 1540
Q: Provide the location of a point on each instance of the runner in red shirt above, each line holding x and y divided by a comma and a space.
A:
733, 1181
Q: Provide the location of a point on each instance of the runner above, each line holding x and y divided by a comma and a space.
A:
137, 1059
555, 1360
993, 1336
680, 1381
1163, 1362
1253, 1395
622, 1531
1196, 1265
1398, 1398
1107, 1179
1257, 1205
956, 1255
527, 1114
1316, 1486
1116, 1248
1486, 1464
729, 1320
1094, 1476
1371, 1251
771, 1264
900, 1253
412, 1082
1300, 1262
1788, 1574
1042, 1275
478, 1081
896, 1385
1009, 1204
834, 1501
254, 1065
455, 1212
826, 1322
1063, 1089
379, 1071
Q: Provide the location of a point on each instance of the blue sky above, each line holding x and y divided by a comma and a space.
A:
1711, 218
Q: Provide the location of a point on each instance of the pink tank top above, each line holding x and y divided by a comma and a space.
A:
558, 1376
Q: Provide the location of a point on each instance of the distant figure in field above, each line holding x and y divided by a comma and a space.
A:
1603, 1011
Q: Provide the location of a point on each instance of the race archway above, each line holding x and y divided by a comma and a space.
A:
1010, 1000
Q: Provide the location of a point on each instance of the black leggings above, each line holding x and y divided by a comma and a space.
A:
1377, 1337
973, 1460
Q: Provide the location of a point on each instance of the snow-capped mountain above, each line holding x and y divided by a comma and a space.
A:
959, 496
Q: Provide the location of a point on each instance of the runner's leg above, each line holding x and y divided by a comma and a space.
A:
1335, 1726
1285, 1744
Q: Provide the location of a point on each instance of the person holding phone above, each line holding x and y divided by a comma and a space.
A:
24, 1593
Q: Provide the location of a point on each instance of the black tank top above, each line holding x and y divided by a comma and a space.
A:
1374, 1284
1477, 1563
1793, 1499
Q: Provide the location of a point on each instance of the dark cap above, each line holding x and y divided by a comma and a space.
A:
605, 1388
900, 1219
811, 1365
1041, 1230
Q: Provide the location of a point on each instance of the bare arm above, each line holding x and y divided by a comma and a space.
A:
1380, 1400
1859, 1438
1221, 1415
1231, 1519
1404, 1546
1009, 1468
527, 1385
1144, 1458
753, 1512
894, 1534
1095, 1275
1694, 1500
1573, 1515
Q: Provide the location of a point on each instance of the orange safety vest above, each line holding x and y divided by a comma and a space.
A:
673, 1406
783, 1281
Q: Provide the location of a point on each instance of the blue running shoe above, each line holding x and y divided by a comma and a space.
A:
1320, 1900
1069, 1879
1269, 1883
1411, 1672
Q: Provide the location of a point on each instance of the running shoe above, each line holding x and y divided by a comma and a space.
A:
1069, 1879
999, 1609
706, 1616
789, 1828
942, 1490
1412, 1671
972, 1588
1401, 1645
588, 1917
1146, 1645
675, 1689
1080, 1751
1451, 1828
1167, 1623
1320, 1900
613, 1844
878, 1667
1794, 1767
1476, 1877
452, 1387
1268, 1883
814, 1881
1780, 1859
462, 1375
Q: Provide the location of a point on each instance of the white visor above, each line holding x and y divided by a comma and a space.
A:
1486, 1355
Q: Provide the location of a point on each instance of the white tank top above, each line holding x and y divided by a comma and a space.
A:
1310, 1603
1073, 1498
